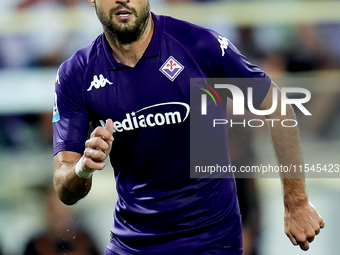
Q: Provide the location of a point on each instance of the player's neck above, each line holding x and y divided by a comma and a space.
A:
130, 54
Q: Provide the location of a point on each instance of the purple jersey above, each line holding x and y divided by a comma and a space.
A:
160, 210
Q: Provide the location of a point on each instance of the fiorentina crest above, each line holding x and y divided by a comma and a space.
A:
171, 68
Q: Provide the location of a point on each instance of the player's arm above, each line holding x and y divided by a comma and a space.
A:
302, 222
73, 171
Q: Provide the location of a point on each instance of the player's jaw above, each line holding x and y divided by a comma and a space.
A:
124, 22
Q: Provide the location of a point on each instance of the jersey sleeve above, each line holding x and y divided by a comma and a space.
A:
228, 62
70, 117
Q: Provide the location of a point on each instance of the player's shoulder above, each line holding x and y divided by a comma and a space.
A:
77, 65
191, 36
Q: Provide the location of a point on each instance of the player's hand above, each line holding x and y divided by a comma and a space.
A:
302, 224
98, 147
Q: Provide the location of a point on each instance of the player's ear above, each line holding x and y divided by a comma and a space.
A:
92, 2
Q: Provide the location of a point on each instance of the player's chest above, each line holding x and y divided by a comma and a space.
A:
157, 81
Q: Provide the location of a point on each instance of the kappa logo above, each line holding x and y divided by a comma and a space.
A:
58, 78
99, 83
171, 68
224, 44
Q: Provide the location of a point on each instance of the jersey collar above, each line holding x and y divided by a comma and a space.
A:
153, 48
151, 51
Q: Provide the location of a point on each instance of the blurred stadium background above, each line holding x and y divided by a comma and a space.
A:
296, 38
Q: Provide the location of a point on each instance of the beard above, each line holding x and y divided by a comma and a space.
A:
124, 32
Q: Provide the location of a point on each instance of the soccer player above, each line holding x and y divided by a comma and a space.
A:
136, 75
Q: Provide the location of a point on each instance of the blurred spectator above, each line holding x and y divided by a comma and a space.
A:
305, 52
54, 50
274, 64
248, 45
61, 236
310, 49
330, 33
52, 46
308, 53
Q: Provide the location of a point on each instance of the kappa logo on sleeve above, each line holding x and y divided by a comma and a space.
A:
99, 83
224, 44
58, 78
171, 68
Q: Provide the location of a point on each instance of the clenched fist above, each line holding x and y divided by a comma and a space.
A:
97, 148
302, 224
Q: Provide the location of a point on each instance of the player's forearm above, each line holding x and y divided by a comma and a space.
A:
69, 187
302, 222
288, 151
